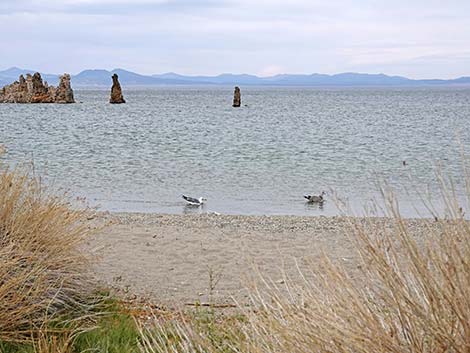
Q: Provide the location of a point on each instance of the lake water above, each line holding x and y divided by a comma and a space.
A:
258, 159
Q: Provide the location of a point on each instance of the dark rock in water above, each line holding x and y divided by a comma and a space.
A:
237, 98
33, 90
116, 92
64, 92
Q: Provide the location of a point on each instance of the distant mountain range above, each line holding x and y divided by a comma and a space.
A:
102, 78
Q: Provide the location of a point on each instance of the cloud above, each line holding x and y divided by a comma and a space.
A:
252, 36
105, 7
271, 70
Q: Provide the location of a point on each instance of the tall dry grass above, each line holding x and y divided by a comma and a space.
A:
203, 331
407, 297
43, 273
408, 291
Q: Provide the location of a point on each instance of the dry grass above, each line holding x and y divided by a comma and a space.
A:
47, 342
407, 297
42, 272
199, 331
407, 294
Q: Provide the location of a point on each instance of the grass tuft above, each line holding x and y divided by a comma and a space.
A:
42, 270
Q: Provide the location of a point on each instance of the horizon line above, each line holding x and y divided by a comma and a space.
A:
237, 74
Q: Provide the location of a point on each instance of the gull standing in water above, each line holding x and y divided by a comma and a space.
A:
316, 198
193, 201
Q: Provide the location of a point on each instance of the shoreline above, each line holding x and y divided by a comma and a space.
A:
177, 260
139, 215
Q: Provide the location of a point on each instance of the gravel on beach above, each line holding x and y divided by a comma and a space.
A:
182, 259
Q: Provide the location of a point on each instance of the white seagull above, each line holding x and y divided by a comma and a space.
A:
193, 201
316, 198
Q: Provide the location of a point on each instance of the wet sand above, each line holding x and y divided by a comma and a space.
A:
180, 259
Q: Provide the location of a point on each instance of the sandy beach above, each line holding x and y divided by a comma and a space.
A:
181, 259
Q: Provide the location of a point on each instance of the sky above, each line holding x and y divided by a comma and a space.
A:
413, 38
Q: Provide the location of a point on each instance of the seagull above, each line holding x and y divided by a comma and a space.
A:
195, 202
316, 198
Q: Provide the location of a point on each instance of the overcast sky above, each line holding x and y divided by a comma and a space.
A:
414, 38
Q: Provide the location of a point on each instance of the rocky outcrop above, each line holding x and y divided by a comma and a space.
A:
64, 92
237, 98
33, 90
40, 91
116, 92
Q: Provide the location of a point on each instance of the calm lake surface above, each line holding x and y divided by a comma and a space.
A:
258, 159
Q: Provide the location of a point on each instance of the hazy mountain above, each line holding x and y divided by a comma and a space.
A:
102, 78
343, 79
92, 78
218, 80
12, 74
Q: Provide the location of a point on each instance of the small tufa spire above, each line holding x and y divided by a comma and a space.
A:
237, 98
116, 92
64, 92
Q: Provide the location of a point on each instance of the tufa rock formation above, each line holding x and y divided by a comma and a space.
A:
116, 92
64, 92
33, 90
237, 98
